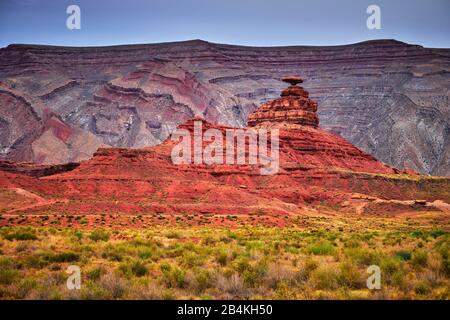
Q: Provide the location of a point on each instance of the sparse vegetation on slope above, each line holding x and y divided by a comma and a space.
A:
220, 263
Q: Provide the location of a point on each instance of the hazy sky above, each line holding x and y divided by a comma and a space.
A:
246, 22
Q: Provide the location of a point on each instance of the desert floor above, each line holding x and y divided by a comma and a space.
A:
314, 256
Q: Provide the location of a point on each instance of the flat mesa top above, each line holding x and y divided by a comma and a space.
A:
293, 80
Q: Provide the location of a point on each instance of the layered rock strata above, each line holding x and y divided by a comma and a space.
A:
319, 172
59, 104
294, 106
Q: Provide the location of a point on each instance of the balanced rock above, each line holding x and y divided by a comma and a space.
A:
293, 107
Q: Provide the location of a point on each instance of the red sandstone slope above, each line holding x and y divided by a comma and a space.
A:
145, 181
317, 170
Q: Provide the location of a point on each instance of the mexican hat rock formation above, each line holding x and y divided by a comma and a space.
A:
302, 142
294, 106
318, 171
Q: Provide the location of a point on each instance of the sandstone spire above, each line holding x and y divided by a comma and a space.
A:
293, 107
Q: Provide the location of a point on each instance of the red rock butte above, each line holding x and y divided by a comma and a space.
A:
293, 107
302, 141
318, 170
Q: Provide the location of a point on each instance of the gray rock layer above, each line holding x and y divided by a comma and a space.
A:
59, 104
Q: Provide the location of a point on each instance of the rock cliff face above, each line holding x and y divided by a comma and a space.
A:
318, 172
36, 170
293, 107
59, 104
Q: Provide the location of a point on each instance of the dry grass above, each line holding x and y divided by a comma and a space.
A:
218, 263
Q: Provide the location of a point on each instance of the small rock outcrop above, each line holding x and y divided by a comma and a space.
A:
36, 170
293, 107
302, 142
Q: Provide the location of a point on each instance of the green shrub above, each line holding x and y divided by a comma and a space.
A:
222, 257
36, 261
398, 278
419, 258
8, 272
362, 256
173, 277
307, 268
325, 279
178, 276
425, 234
173, 234
168, 295
403, 255
284, 291
352, 243
8, 276
349, 276
390, 265
321, 248
62, 257
136, 268
443, 247
6, 262
113, 253
437, 233
202, 280
253, 275
393, 271
145, 254
233, 235
446, 266
422, 288
25, 286
21, 235
419, 234
99, 235
192, 259
95, 273
241, 264
165, 267
174, 250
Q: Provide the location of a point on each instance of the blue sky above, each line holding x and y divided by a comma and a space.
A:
244, 22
